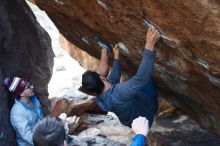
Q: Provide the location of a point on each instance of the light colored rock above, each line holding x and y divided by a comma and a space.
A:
107, 125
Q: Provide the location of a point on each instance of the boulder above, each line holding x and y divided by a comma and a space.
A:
92, 141
73, 107
187, 68
177, 128
169, 129
107, 126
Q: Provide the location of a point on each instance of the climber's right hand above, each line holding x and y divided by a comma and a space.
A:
116, 51
152, 37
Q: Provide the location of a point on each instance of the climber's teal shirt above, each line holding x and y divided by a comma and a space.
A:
134, 97
23, 119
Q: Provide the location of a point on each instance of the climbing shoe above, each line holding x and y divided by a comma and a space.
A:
103, 44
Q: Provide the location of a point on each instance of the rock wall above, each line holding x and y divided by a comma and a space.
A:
25, 48
187, 68
82, 57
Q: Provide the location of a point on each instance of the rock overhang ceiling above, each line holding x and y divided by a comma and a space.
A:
187, 68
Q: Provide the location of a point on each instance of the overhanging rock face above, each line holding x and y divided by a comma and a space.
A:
25, 47
187, 68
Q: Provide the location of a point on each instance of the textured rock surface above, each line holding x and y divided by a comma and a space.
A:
104, 125
7, 135
170, 129
24, 47
175, 128
72, 107
187, 69
92, 141
82, 57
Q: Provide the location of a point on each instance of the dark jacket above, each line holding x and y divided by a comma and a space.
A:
134, 97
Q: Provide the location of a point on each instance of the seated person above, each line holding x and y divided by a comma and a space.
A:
26, 111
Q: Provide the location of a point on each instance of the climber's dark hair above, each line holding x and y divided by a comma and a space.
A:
49, 132
92, 82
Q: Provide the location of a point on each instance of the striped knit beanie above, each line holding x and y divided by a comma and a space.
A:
16, 85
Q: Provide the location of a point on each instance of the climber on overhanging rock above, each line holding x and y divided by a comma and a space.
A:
132, 98
26, 111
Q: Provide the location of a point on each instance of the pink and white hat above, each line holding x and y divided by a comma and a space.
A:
16, 85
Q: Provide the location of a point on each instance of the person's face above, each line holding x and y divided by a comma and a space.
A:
28, 91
